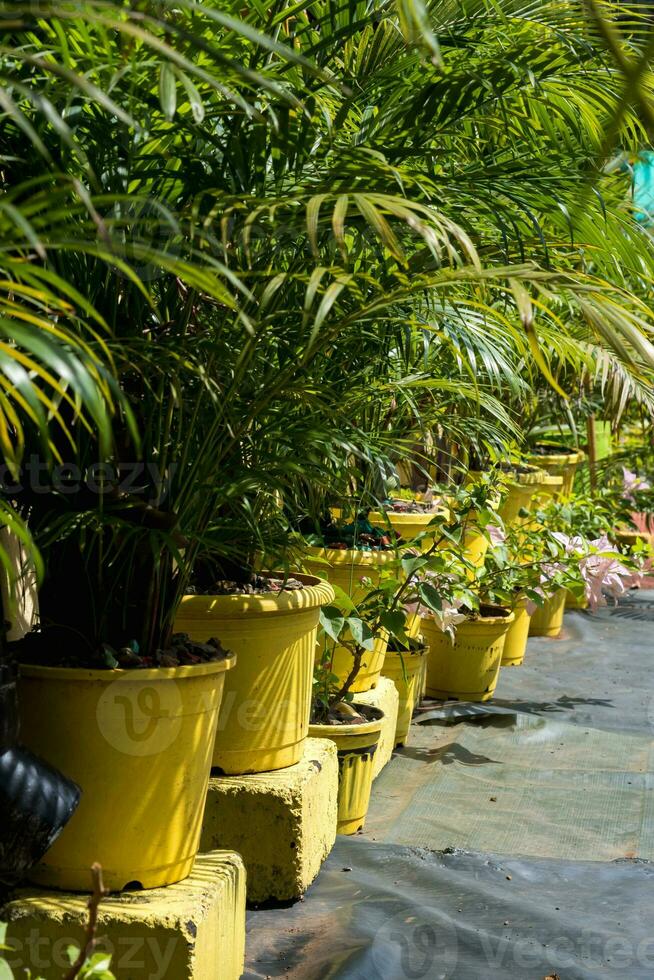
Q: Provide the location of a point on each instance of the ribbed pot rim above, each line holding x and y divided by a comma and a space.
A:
351, 556
372, 727
137, 674
565, 456
317, 592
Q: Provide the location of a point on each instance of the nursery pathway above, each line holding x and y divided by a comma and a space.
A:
506, 840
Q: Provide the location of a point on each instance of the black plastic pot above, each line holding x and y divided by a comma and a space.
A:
36, 803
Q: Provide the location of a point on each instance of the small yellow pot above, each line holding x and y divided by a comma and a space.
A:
576, 599
265, 715
139, 744
405, 670
466, 670
519, 497
562, 464
408, 526
372, 664
515, 644
548, 619
422, 684
629, 539
475, 546
521, 489
549, 487
356, 746
345, 569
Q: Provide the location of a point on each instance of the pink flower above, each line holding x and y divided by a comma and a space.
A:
496, 535
632, 482
603, 572
449, 617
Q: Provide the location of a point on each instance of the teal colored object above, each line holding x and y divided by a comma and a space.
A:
643, 187
603, 440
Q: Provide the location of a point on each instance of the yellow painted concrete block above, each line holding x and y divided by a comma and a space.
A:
384, 696
194, 930
283, 823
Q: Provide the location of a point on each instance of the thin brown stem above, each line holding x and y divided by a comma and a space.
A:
90, 940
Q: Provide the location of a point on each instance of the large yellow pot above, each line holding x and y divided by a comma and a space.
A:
466, 670
548, 619
562, 464
370, 671
515, 644
405, 670
345, 569
139, 744
356, 746
265, 716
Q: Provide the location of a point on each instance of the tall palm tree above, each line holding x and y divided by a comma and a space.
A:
282, 222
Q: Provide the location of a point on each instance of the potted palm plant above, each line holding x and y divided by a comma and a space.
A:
149, 192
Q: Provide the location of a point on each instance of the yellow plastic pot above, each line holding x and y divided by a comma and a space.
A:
548, 619
422, 687
345, 569
475, 547
408, 526
265, 715
518, 497
629, 539
466, 670
520, 491
562, 464
549, 487
372, 663
356, 746
139, 744
576, 598
515, 644
405, 670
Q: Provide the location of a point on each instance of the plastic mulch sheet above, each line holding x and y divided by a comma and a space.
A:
511, 839
402, 913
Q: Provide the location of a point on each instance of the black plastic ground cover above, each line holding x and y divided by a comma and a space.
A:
402, 913
556, 770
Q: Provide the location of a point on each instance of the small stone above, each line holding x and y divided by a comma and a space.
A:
128, 658
508, 877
